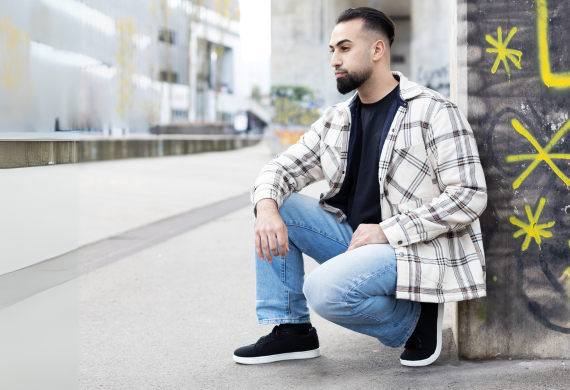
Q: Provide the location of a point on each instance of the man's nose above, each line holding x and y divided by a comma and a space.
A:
335, 61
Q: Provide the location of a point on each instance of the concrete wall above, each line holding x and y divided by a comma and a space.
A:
115, 149
193, 128
430, 44
518, 110
25, 154
39, 338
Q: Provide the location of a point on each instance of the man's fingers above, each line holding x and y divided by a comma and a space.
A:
257, 240
356, 244
283, 241
265, 246
355, 236
357, 231
272, 238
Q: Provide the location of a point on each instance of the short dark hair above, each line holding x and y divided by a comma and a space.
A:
374, 20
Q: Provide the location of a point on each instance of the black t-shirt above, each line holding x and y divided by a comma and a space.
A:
362, 205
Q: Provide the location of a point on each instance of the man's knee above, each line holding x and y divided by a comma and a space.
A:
321, 295
329, 294
295, 205
313, 291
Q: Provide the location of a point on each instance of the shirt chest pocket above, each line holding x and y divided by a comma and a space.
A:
410, 137
409, 177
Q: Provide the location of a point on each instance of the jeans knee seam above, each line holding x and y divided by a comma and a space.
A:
315, 231
356, 285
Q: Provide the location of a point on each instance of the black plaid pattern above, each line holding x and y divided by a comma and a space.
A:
432, 190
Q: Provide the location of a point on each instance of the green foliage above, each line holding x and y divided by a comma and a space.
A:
256, 93
297, 93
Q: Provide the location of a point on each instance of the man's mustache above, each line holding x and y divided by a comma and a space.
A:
341, 70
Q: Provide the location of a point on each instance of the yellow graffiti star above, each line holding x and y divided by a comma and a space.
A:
532, 229
542, 155
502, 52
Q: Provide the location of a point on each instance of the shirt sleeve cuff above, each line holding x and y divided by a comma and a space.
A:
264, 195
394, 232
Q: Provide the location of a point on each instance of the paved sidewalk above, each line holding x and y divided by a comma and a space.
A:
120, 195
171, 316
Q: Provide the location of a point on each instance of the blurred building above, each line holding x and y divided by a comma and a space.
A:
300, 56
119, 66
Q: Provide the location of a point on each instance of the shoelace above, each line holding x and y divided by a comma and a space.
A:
274, 333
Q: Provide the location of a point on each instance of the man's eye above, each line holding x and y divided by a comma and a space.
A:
332, 51
345, 48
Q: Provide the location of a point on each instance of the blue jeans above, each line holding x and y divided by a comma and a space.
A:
353, 289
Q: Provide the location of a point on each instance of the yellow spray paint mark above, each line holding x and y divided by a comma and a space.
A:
502, 52
14, 54
532, 229
543, 154
287, 113
125, 64
566, 273
556, 80
287, 137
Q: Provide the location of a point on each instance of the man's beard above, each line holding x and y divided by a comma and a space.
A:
351, 81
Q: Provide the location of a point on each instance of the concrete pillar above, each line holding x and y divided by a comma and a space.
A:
430, 48
518, 109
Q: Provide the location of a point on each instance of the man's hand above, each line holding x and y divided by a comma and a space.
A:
270, 226
367, 234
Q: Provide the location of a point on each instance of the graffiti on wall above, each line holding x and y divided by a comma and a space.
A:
296, 109
556, 80
525, 154
288, 113
14, 54
542, 155
532, 229
126, 67
503, 52
436, 79
287, 137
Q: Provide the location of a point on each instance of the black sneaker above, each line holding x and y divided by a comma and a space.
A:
283, 343
424, 345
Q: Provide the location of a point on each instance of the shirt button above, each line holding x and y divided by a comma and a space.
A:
343, 172
399, 242
401, 253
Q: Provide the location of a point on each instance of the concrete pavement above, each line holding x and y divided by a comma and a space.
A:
116, 196
169, 317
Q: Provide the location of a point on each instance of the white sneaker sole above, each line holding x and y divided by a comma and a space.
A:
276, 358
432, 358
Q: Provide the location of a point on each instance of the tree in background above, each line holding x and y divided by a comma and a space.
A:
256, 93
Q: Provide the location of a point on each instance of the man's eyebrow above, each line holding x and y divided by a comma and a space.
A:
341, 42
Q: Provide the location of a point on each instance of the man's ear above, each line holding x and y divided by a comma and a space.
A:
379, 50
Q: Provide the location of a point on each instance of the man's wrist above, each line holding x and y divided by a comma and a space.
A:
265, 205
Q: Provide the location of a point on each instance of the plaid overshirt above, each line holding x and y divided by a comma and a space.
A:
432, 190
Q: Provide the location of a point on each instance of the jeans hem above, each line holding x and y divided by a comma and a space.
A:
271, 321
407, 335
